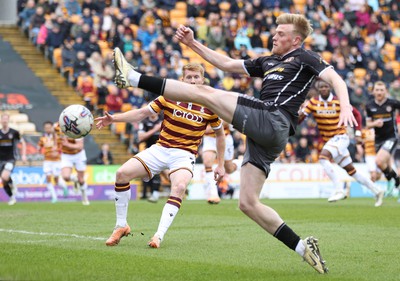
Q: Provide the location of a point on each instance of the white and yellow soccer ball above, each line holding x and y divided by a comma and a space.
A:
76, 121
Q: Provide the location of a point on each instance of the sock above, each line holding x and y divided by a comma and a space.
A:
287, 236
122, 197
7, 188
83, 186
300, 248
210, 183
391, 174
156, 194
50, 187
169, 212
152, 84
134, 77
366, 181
62, 183
73, 178
330, 171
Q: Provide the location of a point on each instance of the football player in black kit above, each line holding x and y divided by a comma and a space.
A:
381, 116
267, 122
9, 139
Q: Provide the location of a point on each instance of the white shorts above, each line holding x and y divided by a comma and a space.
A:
157, 158
52, 168
210, 144
78, 160
337, 146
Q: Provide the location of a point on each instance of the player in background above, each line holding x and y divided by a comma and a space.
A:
149, 132
9, 139
325, 108
209, 155
73, 155
183, 127
368, 140
50, 145
381, 117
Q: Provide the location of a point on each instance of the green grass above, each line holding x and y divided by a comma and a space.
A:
358, 241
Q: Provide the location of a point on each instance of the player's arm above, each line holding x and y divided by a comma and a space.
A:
301, 112
23, 149
346, 117
219, 172
78, 145
185, 35
132, 116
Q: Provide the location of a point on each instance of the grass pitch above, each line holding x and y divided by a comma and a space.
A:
66, 241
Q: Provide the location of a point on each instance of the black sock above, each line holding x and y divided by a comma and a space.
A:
287, 236
389, 173
152, 84
7, 188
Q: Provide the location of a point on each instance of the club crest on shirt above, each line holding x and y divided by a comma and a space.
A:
289, 59
389, 108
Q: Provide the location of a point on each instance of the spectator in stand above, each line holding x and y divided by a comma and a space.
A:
372, 72
216, 37
388, 75
68, 57
146, 35
394, 89
105, 156
35, 22
87, 17
102, 93
85, 33
302, 151
89, 4
100, 70
53, 40
92, 46
43, 33
113, 100
73, 7
76, 28
80, 65
26, 14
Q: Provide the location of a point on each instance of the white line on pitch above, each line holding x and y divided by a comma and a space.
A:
51, 234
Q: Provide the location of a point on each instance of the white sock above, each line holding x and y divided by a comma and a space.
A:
156, 194
366, 181
300, 248
211, 187
62, 183
73, 178
134, 77
167, 217
121, 206
84, 186
50, 187
330, 171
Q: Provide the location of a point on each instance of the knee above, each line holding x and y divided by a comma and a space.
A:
122, 176
179, 189
380, 163
246, 205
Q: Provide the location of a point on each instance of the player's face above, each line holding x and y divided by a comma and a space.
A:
324, 90
5, 120
48, 128
379, 92
193, 77
283, 40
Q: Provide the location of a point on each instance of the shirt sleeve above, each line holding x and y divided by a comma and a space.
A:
254, 67
314, 63
157, 105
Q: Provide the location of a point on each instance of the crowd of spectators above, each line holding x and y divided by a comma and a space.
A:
361, 39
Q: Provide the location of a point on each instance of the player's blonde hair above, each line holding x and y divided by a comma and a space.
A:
379, 83
302, 25
193, 67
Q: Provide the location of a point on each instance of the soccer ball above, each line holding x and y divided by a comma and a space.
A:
76, 121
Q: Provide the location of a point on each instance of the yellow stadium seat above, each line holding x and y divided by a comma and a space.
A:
74, 18
390, 51
57, 58
359, 73
120, 128
126, 107
327, 56
264, 39
396, 67
182, 6
177, 14
225, 6
134, 28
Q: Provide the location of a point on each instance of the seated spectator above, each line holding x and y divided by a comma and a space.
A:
128, 43
146, 35
388, 75
102, 93
78, 45
242, 39
76, 28
92, 46
87, 17
216, 38
105, 156
302, 151
53, 40
25, 16
319, 40
35, 22
89, 4
43, 33
86, 89
80, 65
73, 7
113, 100
85, 33
100, 69
68, 57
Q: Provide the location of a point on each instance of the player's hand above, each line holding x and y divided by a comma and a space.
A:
104, 121
184, 35
219, 173
379, 123
346, 117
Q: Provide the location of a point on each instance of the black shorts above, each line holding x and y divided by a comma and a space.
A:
8, 165
389, 145
267, 130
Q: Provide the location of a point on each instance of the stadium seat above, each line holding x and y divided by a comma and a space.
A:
182, 6
225, 6
327, 56
390, 51
126, 107
26, 127
74, 18
396, 67
57, 58
264, 39
360, 73
119, 128
173, 14
19, 118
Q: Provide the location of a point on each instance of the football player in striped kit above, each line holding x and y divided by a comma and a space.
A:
182, 129
325, 109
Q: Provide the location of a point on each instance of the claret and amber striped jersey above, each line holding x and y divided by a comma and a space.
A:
60, 135
227, 131
51, 145
184, 124
368, 137
326, 114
